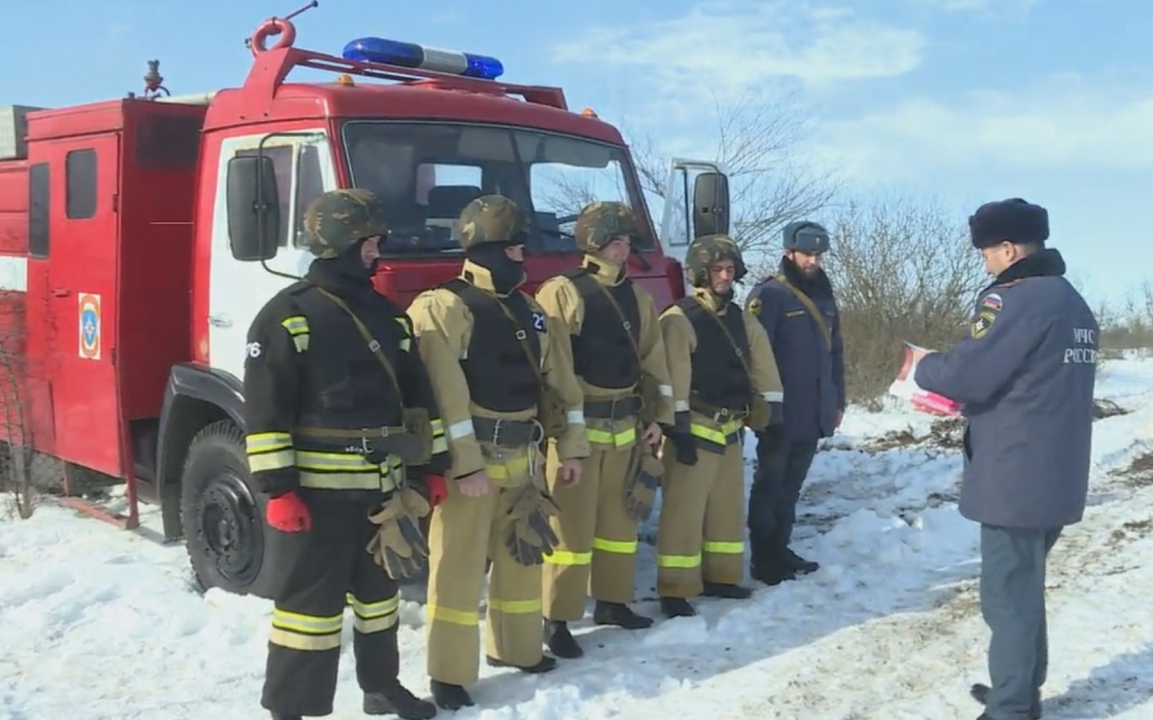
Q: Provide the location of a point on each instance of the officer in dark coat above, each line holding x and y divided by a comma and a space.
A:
337, 427
1025, 378
798, 311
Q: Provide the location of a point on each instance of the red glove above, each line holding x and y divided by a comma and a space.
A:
288, 513
437, 489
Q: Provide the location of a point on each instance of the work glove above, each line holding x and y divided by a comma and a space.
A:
431, 485
685, 447
529, 536
641, 487
399, 546
436, 490
288, 513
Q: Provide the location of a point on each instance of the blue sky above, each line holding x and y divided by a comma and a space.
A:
961, 100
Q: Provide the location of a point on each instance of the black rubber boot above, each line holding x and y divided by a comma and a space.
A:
560, 641
546, 664
397, 700
771, 572
729, 591
449, 697
620, 615
282, 716
677, 607
798, 564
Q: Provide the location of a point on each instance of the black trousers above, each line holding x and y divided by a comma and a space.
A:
782, 466
330, 569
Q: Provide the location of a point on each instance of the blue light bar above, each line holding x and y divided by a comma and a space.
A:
411, 55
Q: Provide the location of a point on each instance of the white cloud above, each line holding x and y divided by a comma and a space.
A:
726, 48
1068, 123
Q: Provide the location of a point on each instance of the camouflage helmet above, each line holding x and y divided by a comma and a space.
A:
490, 219
704, 251
599, 222
338, 219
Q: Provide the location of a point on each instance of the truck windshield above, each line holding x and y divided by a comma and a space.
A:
426, 172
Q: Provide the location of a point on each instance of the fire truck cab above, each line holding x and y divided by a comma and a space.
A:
139, 237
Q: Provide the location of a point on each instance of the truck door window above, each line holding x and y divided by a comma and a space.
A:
309, 184
426, 172
80, 184
281, 156
38, 204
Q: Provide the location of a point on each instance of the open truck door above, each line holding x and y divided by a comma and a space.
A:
696, 204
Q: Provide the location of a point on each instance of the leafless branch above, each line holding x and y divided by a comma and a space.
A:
902, 270
758, 139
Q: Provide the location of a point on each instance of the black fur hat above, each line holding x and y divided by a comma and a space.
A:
1014, 220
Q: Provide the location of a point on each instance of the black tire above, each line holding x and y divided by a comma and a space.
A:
228, 542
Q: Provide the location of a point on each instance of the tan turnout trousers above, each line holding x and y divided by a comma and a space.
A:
598, 540
463, 533
700, 535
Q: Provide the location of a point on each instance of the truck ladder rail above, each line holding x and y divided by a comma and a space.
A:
269, 70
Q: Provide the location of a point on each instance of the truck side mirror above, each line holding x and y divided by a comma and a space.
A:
710, 204
253, 208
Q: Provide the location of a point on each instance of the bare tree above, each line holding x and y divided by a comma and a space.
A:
759, 140
902, 271
16, 454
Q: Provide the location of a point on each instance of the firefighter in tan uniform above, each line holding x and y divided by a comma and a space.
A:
505, 383
724, 378
339, 429
619, 358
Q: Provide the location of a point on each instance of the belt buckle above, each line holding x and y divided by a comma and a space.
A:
613, 408
537, 432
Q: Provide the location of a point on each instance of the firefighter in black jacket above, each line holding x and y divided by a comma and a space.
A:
341, 424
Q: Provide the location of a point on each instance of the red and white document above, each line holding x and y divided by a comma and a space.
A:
906, 388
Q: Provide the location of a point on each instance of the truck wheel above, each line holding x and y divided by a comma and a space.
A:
228, 542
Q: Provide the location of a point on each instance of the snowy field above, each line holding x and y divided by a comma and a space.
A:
100, 623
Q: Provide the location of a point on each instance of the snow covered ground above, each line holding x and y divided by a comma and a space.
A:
98, 623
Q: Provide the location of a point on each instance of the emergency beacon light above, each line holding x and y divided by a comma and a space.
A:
419, 57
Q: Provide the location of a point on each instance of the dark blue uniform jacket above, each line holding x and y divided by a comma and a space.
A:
1025, 376
811, 363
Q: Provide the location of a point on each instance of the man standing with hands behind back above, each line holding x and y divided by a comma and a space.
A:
1025, 377
798, 311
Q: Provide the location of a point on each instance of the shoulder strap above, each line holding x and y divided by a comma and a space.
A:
373, 343
732, 340
522, 337
689, 304
621, 314
819, 319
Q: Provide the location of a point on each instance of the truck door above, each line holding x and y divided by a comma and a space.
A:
678, 226
82, 280
237, 290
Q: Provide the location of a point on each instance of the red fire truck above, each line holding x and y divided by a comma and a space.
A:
140, 236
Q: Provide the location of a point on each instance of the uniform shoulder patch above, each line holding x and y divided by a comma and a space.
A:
538, 321
755, 307
405, 324
993, 301
981, 324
